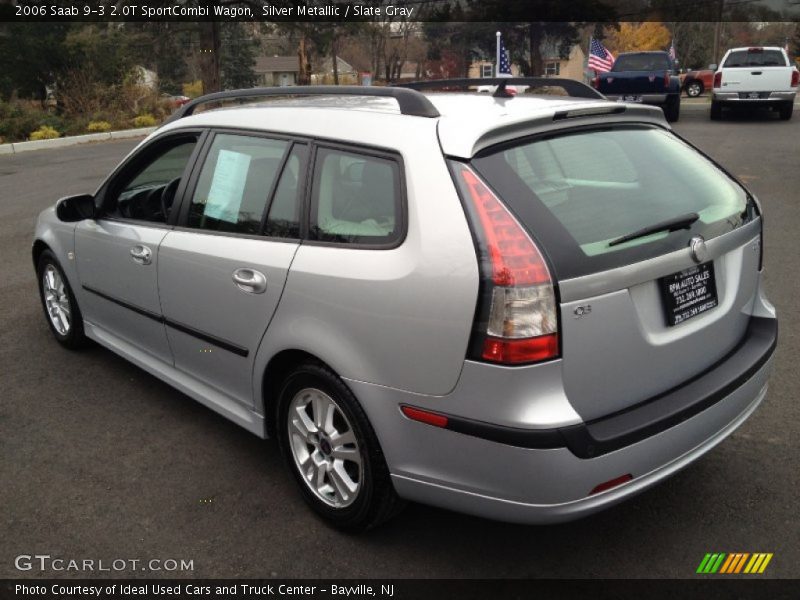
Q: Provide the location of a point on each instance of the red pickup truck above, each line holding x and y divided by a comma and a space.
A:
696, 82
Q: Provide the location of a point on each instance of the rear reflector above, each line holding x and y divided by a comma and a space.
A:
423, 416
611, 483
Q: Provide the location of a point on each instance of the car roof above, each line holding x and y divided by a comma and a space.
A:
467, 122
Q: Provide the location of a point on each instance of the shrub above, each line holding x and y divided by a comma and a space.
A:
193, 89
98, 126
45, 132
145, 120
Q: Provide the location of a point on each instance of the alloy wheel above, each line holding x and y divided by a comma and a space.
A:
324, 448
56, 300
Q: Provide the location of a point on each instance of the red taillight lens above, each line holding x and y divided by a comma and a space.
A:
517, 320
666, 79
520, 351
515, 259
795, 78
718, 79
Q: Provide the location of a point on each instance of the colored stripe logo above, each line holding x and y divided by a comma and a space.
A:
734, 563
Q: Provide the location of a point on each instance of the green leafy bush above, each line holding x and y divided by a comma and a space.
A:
45, 132
98, 126
145, 120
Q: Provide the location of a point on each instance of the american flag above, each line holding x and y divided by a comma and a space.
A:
672, 53
504, 69
600, 59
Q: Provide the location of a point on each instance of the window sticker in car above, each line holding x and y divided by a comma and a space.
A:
227, 186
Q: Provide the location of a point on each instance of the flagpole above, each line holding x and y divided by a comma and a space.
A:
497, 57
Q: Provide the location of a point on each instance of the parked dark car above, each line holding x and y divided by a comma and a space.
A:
643, 77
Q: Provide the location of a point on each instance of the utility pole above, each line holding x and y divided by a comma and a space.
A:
718, 31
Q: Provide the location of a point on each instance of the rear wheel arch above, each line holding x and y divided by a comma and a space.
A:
278, 369
38, 247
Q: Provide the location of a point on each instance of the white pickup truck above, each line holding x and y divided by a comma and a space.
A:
760, 76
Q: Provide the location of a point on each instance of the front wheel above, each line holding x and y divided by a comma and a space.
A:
331, 449
60, 307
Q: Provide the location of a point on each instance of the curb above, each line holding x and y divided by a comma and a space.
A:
18, 147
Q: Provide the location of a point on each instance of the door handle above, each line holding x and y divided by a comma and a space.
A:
142, 255
755, 73
250, 281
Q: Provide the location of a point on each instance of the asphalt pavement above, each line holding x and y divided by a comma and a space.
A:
103, 461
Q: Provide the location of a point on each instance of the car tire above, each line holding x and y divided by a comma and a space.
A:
672, 109
694, 88
716, 111
786, 110
60, 307
348, 483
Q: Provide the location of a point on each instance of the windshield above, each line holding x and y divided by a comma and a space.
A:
581, 191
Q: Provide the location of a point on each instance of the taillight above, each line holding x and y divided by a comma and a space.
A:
666, 80
718, 79
517, 320
795, 78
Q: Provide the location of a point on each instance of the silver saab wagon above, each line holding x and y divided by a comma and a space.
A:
522, 307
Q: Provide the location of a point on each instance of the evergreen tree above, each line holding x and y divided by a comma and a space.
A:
237, 56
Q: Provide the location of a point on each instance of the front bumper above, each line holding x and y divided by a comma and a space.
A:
744, 98
509, 482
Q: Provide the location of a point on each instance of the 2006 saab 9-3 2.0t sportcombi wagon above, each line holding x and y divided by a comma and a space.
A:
521, 307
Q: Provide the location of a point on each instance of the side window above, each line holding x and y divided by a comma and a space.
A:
148, 193
235, 182
355, 198
283, 219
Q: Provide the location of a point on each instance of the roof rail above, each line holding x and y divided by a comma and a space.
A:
576, 89
411, 102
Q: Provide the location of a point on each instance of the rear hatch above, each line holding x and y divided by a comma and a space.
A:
756, 70
642, 316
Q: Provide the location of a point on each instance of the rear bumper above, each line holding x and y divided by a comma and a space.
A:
770, 98
514, 480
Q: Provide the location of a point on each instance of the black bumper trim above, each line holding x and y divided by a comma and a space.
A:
654, 415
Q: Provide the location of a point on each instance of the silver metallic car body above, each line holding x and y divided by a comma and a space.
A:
395, 323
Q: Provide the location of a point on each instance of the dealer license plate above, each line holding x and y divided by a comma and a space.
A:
688, 293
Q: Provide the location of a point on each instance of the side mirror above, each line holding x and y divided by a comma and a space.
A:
712, 67
75, 208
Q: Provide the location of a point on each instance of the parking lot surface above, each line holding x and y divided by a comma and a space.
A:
103, 461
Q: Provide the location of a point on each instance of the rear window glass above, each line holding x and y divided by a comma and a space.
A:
641, 62
760, 58
578, 192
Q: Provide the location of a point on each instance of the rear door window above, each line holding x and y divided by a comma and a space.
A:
578, 192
